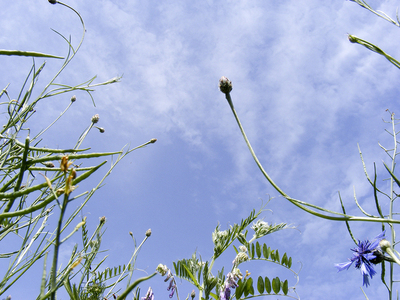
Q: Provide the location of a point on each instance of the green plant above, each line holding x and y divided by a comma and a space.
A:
39, 183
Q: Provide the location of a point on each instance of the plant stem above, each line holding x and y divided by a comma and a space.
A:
53, 274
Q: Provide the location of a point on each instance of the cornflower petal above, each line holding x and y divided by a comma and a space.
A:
343, 266
364, 258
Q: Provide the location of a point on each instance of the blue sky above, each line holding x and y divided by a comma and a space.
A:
305, 95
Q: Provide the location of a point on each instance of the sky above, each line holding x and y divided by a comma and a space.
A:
305, 95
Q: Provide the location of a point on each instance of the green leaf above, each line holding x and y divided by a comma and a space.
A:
265, 251
272, 254
258, 250
27, 53
290, 262
239, 289
276, 285
285, 287
216, 297
284, 260
260, 285
251, 290
245, 289
267, 285
249, 287
188, 273
391, 174
252, 251
277, 255
133, 285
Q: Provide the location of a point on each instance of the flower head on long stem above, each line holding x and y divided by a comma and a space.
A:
365, 257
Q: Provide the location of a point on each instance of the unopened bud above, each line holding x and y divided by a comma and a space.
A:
73, 98
148, 232
52, 1
153, 141
95, 118
225, 85
384, 244
162, 269
243, 248
102, 220
193, 294
352, 38
240, 257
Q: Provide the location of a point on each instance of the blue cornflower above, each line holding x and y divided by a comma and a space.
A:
365, 256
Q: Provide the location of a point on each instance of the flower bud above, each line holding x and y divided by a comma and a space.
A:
225, 85
52, 1
243, 248
384, 244
352, 38
95, 118
73, 98
148, 232
102, 220
240, 257
162, 269
153, 141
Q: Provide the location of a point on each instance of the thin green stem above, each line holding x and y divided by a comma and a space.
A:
228, 97
391, 274
53, 272
301, 204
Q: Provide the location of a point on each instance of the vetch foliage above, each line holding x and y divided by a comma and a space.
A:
235, 284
